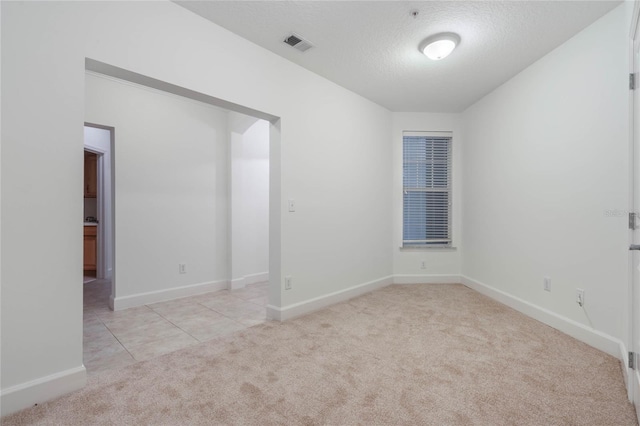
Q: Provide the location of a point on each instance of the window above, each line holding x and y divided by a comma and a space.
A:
427, 189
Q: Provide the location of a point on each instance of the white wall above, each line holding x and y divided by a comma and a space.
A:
332, 156
170, 187
545, 157
249, 199
442, 265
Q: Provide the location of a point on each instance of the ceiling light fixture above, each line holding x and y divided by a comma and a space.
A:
439, 46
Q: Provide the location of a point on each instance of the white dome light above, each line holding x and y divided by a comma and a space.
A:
439, 46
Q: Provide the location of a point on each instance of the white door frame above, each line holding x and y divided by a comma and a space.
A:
633, 339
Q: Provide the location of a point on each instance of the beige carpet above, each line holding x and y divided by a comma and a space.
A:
412, 355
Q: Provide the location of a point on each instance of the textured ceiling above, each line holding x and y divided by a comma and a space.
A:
371, 47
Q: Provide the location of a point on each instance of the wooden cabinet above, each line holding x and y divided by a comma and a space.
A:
90, 175
90, 250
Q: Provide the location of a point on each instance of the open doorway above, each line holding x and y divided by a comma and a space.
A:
98, 217
182, 163
248, 231
90, 234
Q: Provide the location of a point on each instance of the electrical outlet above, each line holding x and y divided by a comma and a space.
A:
547, 284
287, 282
423, 265
182, 268
580, 296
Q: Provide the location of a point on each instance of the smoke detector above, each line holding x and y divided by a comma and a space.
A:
298, 42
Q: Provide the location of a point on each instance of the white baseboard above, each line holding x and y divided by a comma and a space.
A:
308, 306
595, 338
257, 278
426, 279
140, 299
41, 390
238, 283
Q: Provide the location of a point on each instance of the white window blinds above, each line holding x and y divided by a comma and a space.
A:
426, 189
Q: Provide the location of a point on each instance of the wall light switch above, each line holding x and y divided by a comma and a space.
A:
292, 205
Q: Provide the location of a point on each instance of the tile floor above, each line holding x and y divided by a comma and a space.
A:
115, 339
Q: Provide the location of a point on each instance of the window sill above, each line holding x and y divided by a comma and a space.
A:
422, 248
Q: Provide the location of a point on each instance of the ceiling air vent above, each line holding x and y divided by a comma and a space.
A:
298, 42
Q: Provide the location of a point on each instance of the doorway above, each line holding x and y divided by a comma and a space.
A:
90, 225
98, 213
180, 163
180, 269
